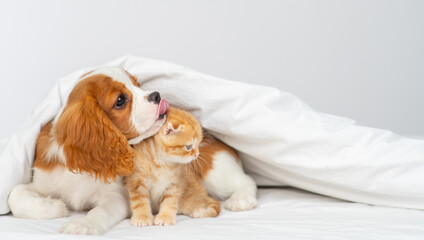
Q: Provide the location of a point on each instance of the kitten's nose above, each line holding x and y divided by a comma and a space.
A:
154, 97
195, 155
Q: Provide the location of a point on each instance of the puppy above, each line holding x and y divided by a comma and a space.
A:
83, 151
220, 170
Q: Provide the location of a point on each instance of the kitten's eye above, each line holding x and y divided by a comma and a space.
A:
120, 101
188, 147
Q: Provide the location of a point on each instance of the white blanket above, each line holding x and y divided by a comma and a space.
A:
281, 139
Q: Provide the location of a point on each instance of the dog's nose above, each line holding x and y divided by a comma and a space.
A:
154, 97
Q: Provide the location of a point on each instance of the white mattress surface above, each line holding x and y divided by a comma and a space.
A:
283, 213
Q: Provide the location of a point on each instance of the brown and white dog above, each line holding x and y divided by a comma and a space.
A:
220, 170
82, 152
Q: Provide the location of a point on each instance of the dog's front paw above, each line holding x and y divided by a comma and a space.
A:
81, 226
142, 221
164, 220
50, 208
241, 201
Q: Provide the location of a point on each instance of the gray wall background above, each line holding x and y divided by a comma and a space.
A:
360, 59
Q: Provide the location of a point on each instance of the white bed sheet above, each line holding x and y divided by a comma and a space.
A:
283, 213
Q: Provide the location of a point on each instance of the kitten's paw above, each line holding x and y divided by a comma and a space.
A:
142, 221
212, 210
204, 213
81, 226
164, 220
241, 201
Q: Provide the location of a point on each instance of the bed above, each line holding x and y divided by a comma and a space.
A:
362, 183
283, 213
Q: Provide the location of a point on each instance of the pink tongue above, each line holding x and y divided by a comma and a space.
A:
163, 108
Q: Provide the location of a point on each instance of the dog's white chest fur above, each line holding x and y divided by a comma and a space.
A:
78, 191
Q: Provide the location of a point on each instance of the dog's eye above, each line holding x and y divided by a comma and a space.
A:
120, 101
188, 147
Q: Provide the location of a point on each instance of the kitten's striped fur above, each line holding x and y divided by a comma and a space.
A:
163, 182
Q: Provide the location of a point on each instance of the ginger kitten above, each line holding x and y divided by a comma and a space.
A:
163, 182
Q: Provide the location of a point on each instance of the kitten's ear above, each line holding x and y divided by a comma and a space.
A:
172, 128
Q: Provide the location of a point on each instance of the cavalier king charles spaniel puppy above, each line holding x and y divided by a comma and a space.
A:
83, 152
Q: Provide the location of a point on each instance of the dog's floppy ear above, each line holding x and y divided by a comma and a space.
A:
92, 143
